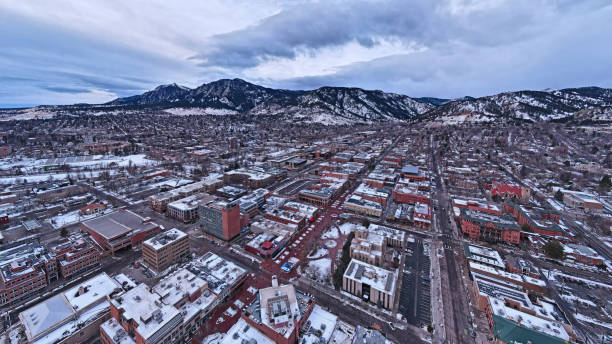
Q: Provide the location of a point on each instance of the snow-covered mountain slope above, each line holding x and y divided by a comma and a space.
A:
521, 106
239, 96
344, 105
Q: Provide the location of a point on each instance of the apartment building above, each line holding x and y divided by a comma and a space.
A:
186, 209
488, 227
165, 249
279, 312
24, 272
76, 257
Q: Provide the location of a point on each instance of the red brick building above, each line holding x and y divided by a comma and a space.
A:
119, 229
222, 219
488, 227
510, 191
76, 257
538, 220
409, 195
25, 270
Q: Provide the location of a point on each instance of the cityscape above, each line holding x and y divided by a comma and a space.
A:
240, 210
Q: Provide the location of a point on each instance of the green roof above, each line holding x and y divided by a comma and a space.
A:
510, 332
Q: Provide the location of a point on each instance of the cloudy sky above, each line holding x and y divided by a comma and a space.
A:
63, 52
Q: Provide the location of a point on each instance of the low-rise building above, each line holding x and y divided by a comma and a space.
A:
491, 228
362, 206
251, 177
582, 200
72, 316
583, 254
119, 229
270, 237
409, 194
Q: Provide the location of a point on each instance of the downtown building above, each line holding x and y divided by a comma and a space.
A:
71, 316
119, 230
186, 209
27, 269
373, 244
371, 283
278, 312
489, 227
221, 219
76, 257
165, 249
175, 308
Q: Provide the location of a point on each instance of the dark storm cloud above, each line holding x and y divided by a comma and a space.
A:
470, 48
443, 48
319, 25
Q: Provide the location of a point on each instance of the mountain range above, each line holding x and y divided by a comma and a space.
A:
349, 105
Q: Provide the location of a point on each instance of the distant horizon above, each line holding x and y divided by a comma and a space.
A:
96, 51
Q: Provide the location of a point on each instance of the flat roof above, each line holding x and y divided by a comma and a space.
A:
94, 290
45, 315
242, 332
376, 277
164, 239
118, 223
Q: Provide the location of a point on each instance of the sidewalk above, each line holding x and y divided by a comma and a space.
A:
437, 306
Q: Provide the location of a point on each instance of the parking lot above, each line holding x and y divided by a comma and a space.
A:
415, 296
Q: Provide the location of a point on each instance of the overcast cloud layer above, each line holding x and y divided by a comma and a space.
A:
63, 52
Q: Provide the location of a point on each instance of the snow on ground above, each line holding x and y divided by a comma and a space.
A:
584, 318
332, 233
27, 114
320, 253
72, 217
199, 111
319, 269
78, 161
230, 312
572, 298
347, 227
35, 178
331, 243
556, 273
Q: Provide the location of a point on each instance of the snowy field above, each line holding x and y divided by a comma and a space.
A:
332, 233
320, 253
346, 228
72, 217
319, 269
28, 164
36, 178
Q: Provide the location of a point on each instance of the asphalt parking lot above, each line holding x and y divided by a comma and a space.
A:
415, 296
